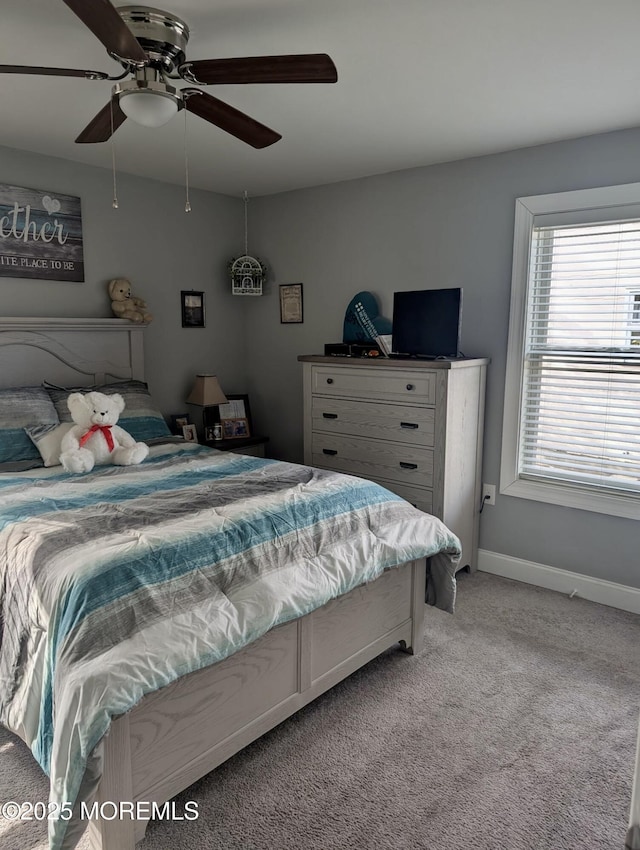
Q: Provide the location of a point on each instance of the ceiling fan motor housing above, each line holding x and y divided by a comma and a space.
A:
161, 35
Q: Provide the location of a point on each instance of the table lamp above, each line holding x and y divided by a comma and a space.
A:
206, 392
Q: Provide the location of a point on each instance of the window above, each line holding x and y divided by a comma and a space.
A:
572, 398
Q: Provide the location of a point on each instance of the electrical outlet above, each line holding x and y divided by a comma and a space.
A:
488, 494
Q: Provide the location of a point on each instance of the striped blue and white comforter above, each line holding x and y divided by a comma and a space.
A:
115, 583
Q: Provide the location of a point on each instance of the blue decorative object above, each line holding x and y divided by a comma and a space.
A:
362, 321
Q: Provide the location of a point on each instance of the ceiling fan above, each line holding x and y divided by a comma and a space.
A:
150, 45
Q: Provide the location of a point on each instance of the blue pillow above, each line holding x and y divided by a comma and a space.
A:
20, 408
140, 417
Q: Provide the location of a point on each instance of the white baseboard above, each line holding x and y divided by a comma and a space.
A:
595, 589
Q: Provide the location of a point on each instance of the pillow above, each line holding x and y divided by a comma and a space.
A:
47, 439
140, 417
22, 407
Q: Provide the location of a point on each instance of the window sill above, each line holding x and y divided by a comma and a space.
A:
570, 496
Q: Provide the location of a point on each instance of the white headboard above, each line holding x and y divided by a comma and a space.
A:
69, 352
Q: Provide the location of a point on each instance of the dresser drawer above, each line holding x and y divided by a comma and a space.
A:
394, 422
369, 458
374, 383
419, 497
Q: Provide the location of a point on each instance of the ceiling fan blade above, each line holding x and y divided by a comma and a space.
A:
53, 72
229, 119
303, 68
99, 128
101, 17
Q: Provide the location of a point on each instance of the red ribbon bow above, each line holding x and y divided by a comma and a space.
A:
106, 430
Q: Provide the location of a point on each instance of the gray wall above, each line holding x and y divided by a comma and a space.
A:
161, 249
446, 225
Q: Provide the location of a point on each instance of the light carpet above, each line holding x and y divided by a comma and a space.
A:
514, 729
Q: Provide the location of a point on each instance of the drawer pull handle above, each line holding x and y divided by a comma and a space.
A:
329, 415
411, 387
409, 425
329, 452
408, 465
329, 380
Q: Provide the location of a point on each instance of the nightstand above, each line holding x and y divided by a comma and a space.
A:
254, 446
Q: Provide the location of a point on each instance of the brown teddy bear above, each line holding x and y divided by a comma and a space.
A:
124, 304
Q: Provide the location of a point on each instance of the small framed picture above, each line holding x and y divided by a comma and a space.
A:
237, 409
178, 420
291, 303
235, 428
192, 308
189, 433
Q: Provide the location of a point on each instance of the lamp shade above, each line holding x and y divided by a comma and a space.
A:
206, 391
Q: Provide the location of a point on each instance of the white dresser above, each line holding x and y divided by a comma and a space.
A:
413, 426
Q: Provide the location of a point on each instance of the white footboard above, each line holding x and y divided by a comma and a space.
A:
175, 736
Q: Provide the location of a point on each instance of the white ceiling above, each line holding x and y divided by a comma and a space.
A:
419, 82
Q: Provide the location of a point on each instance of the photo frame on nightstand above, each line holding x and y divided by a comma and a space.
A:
189, 433
236, 408
235, 429
178, 420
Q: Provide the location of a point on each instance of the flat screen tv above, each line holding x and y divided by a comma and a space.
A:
426, 323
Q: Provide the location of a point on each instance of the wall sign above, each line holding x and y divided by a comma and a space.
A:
290, 303
40, 234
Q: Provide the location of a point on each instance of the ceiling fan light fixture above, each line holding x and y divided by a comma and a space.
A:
148, 103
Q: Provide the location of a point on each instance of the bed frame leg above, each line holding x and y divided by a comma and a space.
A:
418, 584
116, 786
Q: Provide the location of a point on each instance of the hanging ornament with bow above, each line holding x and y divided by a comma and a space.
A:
247, 273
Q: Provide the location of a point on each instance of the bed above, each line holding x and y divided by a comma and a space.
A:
156, 619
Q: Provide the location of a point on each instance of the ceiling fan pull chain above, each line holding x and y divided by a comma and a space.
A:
114, 203
187, 206
246, 225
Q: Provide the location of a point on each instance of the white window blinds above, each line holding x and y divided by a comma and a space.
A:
580, 402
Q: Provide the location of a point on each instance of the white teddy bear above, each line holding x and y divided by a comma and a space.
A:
95, 438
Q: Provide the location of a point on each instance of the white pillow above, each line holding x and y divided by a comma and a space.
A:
47, 439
